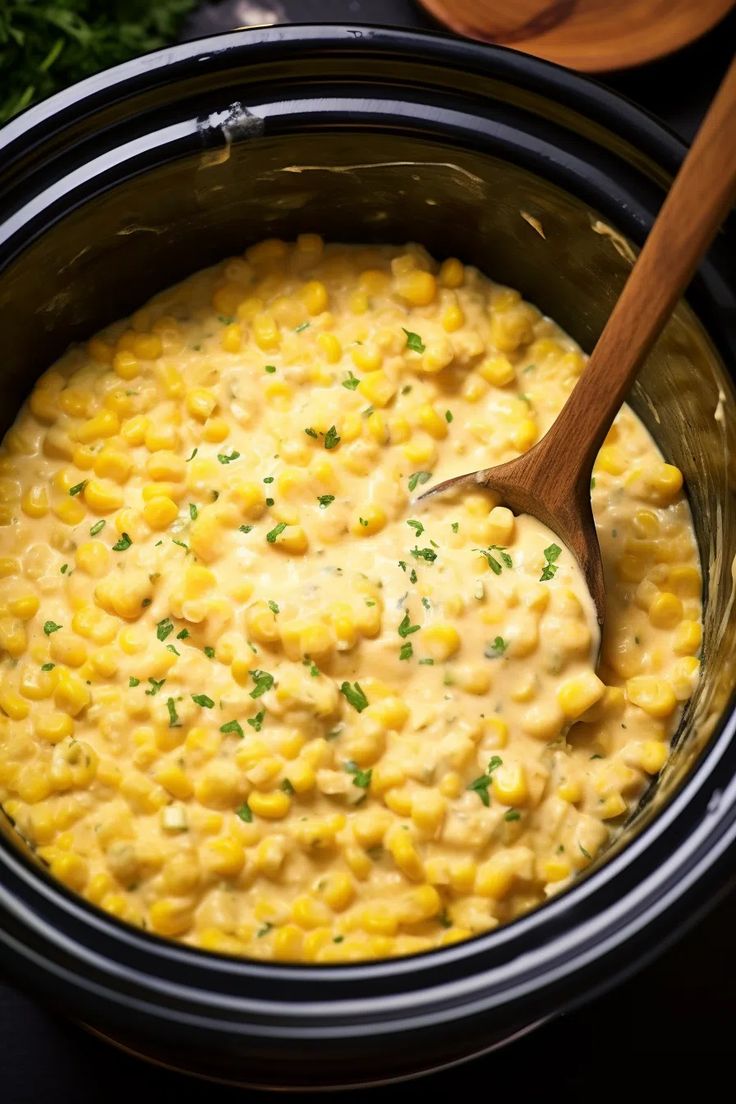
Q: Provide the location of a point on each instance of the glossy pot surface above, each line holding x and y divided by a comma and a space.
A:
120, 186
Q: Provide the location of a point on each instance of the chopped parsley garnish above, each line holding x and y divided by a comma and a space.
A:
592, 482
426, 603
313, 668
512, 814
363, 522
311, 432
227, 458
193, 511
302, 327
203, 701
274, 607
586, 853
426, 663
174, 721
264, 930
413, 576
351, 382
245, 813
232, 726
171, 648
354, 694
78, 487
97, 528
331, 438
551, 554
455, 526
156, 685
51, 627
183, 635
480, 785
417, 478
180, 543
209, 651
269, 502
245, 528
263, 682
496, 648
287, 787
361, 778
48, 666
164, 628
133, 681
491, 560
123, 544
268, 479
270, 368
448, 416
414, 341
256, 722
325, 501
274, 533
194, 453
226, 319
406, 628
64, 568
417, 526
406, 651
427, 554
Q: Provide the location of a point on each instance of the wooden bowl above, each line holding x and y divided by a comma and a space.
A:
590, 35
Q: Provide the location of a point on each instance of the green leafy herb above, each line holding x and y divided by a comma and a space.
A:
245, 813
269, 502
156, 685
183, 635
406, 651
325, 501
495, 649
287, 787
232, 726
592, 482
263, 682
480, 785
311, 432
171, 648
455, 526
50, 627
181, 544
194, 453
417, 526
193, 511
274, 533
361, 778
586, 853
268, 479
418, 477
203, 701
512, 814
245, 528
209, 651
78, 487
64, 568
264, 930
48, 666
174, 721
551, 554
123, 544
164, 628
351, 382
426, 663
427, 554
331, 438
413, 576
448, 416
363, 522
227, 458
406, 628
491, 560
354, 694
97, 528
302, 327
274, 607
226, 319
270, 368
414, 341
313, 668
133, 681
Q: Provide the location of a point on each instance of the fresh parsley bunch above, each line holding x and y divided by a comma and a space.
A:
46, 46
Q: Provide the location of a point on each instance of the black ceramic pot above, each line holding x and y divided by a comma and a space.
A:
123, 184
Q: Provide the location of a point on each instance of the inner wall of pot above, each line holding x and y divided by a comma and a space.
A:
106, 258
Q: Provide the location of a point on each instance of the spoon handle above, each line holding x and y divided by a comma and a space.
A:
699, 199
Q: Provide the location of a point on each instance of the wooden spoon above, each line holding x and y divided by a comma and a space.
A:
552, 480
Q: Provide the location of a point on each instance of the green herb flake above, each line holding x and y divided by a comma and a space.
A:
361, 778
351, 382
183, 635
97, 528
174, 721
406, 651
417, 526
164, 628
592, 482
274, 607
209, 651
227, 458
480, 786
363, 522
417, 478
245, 813
275, 532
193, 511
263, 682
270, 368
48, 666
78, 487
496, 648
413, 576
123, 544
156, 685
287, 787
426, 663
448, 416
414, 341
203, 700
64, 568
325, 501
232, 726
50, 627
586, 853
245, 528
512, 814
133, 681
551, 554
331, 440
424, 554
492, 561
354, 694
311, 432
406, 628
313, 668
171, 648
302, 327
194, 453
455, 526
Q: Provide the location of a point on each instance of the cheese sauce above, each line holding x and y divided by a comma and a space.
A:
252, 696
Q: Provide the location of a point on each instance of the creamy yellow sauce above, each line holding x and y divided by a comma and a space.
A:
256, 698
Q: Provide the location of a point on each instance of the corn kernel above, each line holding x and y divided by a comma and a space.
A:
655, 696
442, 641
580, 693
417, 288
665, 611
272, 806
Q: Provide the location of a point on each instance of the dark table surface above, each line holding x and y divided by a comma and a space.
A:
669, 1029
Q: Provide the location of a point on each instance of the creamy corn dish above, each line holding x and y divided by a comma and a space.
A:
257, 698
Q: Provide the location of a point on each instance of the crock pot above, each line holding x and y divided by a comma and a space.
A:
131, 180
